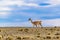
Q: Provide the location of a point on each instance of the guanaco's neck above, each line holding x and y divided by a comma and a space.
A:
31, 21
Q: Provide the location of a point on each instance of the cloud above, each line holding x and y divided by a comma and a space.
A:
54, 2
32, 4
27, 3
9, 0
51, 22
10, 3
17, 2
49, 2
5, 9
44, 4
4, 14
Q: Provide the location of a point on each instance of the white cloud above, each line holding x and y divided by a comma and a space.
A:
51, 22
23, 3
17, 2
5, 9
50, 2
9, 0
5, 3
53, 2
4, 14
32, 4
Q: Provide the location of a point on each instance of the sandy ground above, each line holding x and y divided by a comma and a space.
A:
29, 33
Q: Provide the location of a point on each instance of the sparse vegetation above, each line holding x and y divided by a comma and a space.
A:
57, 37
25, 38
57, 34
18, 38
48, 37
0, 30
36, 34
8, 38
48, 33
20, 29
26, 30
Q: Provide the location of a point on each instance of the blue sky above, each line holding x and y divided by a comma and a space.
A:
17, 12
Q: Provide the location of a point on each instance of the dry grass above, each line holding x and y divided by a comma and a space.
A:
30, 33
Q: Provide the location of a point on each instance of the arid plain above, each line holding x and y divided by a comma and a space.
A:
29, 33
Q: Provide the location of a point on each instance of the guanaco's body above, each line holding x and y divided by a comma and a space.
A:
36, 23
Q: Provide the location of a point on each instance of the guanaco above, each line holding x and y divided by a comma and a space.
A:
36, 23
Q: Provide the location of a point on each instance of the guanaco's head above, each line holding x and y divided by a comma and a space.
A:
29, 19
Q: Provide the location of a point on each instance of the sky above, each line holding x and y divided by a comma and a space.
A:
17, 12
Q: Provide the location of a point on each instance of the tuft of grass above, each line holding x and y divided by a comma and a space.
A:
18, 38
